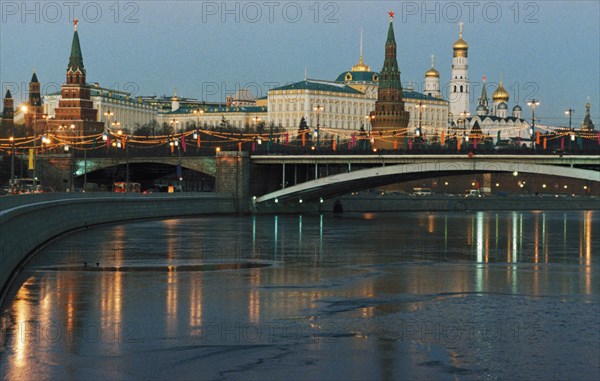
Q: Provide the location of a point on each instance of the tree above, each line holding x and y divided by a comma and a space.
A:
303, 128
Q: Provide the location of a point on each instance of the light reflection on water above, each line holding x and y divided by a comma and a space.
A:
371, 291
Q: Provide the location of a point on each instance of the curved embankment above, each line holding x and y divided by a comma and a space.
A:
27, 222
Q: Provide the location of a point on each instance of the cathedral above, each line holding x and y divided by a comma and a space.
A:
493, 120
490, 120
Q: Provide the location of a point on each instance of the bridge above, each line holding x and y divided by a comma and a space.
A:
338, 174
278, 177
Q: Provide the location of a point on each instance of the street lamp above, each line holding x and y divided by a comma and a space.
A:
369, 119
419, 131
318, 110
569, 112
107, 114
198, 113
25, 109
533, 103
463, 118
12, 159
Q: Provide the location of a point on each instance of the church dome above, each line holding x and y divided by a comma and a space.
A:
481, 108
502, 106
361, 66
517, 108
432, 73
460, 45
500, 95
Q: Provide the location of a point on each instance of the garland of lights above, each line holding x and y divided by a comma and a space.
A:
292, 139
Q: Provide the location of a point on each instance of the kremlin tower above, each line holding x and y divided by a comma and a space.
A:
8, 115
76, 107
389, 115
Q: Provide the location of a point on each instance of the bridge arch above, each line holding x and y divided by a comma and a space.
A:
203, 164
367, 178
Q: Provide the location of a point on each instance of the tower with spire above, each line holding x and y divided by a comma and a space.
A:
432, 81
459, 82
8, 115
34, 106
390, 115
75, 107
483, 103
587, 124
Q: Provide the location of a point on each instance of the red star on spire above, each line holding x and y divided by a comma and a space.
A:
75, 21
391, 14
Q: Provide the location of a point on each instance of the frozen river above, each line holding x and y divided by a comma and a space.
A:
391, 296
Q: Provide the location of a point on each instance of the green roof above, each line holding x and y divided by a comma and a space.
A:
76, 58
359, 76
391, 39
319, 86
416, 95
218, 109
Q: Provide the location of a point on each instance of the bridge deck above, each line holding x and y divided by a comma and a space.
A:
403, 159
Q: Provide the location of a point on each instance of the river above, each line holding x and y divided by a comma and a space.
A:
391, 296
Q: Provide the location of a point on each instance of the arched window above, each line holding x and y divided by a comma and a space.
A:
454, 88
461, 88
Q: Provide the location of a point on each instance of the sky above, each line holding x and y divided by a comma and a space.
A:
547, 50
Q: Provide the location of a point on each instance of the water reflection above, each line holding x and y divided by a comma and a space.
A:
359, 276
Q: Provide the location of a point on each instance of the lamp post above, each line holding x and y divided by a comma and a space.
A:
570, 112
198, 113
533, 103
318, 110
25, 109
125, 146
12, 158
463, 118
419, 131
107, 114
369, 119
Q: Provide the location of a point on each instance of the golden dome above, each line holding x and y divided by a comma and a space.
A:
361, 66
500, 95
432, 73
460, 46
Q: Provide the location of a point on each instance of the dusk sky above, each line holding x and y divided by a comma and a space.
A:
548, 50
